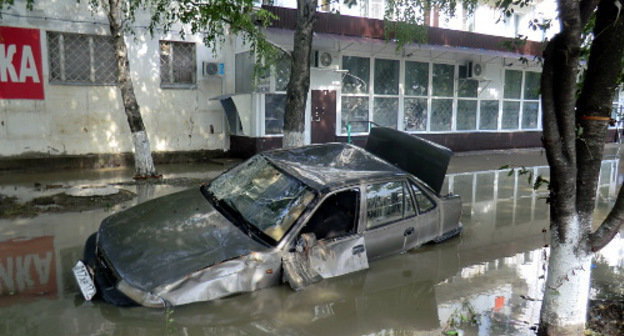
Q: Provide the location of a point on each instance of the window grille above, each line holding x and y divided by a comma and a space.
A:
178, 67
81, 59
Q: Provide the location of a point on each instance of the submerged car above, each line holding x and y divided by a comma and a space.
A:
291, 215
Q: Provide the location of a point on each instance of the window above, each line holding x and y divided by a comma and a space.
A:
423, 201
521, 100
274, 106
355, 99
336, 217
387, 202
418, 96
178, 67
243, 81
81, 59
386, 93
275, 101
416, 92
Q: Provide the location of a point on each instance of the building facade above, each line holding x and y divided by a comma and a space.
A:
68, 59
459, 86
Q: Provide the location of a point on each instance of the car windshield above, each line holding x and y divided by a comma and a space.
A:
265, 197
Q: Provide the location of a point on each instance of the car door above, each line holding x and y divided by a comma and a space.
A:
328, 245
388, 223
427, 223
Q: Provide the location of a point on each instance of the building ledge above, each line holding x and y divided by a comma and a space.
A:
354, 26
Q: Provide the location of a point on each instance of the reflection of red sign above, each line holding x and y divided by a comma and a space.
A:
21, 76
27, 268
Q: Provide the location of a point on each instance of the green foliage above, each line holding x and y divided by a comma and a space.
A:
215, 20
464, 315
404, 19
7, 4
536, 183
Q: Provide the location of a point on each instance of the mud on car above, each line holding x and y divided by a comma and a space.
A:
293, 216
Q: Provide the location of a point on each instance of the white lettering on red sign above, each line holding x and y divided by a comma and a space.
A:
28, 68
21, 70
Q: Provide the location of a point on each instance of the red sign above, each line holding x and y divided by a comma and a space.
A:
21, 75
27, 269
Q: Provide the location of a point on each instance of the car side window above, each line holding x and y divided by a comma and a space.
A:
336, 217
387, 202
423, 201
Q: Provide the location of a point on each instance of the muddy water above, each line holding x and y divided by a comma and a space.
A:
490, 275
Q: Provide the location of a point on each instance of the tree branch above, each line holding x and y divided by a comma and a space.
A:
587, 7
611, 225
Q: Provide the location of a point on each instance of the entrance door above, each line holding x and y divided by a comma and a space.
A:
323, 119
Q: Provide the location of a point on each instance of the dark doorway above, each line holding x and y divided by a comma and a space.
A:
323, 120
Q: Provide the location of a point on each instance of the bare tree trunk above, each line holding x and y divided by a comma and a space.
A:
299, 83
143, 162
574, 137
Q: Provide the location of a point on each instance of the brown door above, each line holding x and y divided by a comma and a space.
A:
323, 120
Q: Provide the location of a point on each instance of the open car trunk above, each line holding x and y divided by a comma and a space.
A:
422, 158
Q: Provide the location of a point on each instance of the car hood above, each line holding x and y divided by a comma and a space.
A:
167, 238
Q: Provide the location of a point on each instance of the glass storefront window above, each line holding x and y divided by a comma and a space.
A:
488, 119
386, 77
415, 114
530, 111
466, 115
443, 80
386, 111
355, 111
358, 76
511, 112
274, 105
513, 84
441, 114
416, 78
532, 85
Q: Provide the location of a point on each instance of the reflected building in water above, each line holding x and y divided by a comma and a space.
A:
496, 268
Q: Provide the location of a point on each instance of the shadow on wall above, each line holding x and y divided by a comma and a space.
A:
81, 119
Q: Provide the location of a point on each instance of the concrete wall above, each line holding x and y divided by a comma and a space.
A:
80, 119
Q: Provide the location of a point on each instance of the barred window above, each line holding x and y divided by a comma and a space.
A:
177, 64
81, 59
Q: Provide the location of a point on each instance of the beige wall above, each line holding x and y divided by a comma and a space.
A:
80, 119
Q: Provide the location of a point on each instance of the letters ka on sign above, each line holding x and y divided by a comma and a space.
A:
21, 75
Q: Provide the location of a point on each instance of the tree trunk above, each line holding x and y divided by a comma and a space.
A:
574, 137
143, 162
299, 82
564, 307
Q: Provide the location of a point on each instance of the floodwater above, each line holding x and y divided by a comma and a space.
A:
491, 275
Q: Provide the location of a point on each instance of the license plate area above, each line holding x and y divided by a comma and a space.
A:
84, 278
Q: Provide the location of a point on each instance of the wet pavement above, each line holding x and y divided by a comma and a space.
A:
486, 282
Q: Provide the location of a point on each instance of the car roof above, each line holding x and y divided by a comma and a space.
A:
331, 165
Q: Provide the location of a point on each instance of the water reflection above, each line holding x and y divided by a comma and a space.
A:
496, 268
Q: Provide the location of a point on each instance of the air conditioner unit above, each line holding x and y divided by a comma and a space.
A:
325, 60
213, 69
475, 70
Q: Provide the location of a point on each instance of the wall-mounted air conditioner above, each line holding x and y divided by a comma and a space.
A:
213, 69
474, 70
325, 60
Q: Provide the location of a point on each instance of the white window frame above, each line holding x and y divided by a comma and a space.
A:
522, 100
429, 98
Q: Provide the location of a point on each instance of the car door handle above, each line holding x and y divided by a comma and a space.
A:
408, 232
357, 249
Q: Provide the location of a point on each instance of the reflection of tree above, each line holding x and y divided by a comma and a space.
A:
607, 280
